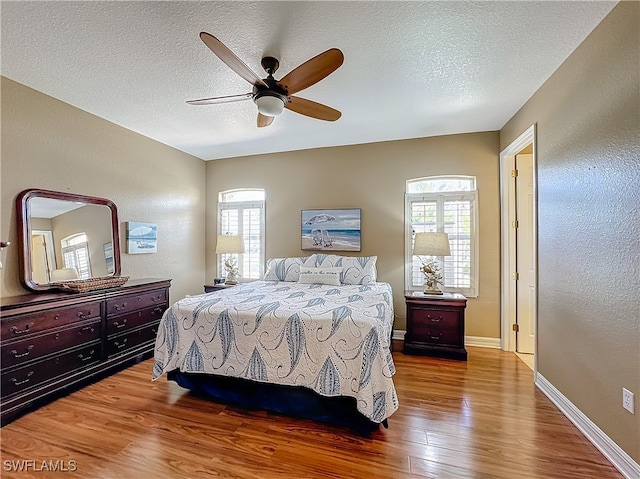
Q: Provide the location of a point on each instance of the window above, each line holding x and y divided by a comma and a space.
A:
448, 204
241, 212
75, 254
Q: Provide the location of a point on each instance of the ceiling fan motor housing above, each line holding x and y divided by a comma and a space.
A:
270, 99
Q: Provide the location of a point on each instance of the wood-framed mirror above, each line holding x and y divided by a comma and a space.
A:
64, 236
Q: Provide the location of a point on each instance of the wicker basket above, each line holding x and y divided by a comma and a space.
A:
92, 284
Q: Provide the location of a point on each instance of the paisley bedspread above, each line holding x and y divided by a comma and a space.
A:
332, 339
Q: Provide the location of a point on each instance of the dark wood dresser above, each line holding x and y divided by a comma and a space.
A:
53, 343
435, 325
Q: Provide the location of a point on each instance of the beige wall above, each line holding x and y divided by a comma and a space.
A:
371, 177
588, 150
52, 145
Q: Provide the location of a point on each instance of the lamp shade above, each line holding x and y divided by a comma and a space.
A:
227, 244
431, 244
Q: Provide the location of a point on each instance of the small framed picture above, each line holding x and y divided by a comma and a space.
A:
108, 257
331, 230
142, 237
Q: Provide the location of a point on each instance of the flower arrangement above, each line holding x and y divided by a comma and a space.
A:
432, 277
230, 266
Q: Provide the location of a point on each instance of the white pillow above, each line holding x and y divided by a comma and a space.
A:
355, 269
359, 269
328, 260
287, 269
320, 276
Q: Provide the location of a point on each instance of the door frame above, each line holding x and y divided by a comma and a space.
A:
508, 239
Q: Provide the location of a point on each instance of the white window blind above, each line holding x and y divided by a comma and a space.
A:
432, 204
241, 212
75, 254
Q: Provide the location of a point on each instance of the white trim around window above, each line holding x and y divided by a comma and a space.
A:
455, 213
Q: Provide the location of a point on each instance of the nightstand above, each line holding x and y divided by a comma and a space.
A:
209, 288
435, 325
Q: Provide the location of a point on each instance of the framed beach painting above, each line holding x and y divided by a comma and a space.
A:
331, 230
142, 237
108, 257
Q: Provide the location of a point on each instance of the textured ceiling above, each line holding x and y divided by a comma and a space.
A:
411, 69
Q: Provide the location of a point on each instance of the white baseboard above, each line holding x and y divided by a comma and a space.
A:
478, 341
620, 459
398, 334
482, 342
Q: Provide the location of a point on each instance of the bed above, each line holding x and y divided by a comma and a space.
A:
312, 339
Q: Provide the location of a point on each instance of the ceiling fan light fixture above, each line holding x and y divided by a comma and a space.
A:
269, 104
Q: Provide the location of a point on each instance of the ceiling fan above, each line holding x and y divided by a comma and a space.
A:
272, 96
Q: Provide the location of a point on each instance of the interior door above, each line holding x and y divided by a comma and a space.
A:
526, 284
39, 263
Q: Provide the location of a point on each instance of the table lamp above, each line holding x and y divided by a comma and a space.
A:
230, 245
431, 244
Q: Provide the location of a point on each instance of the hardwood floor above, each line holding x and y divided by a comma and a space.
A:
478, 419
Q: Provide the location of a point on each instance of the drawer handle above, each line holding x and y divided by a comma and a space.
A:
91, 329
88, 357
117, 307
439, 336
157, 311
24, 381
26, 353
85, 315
15, 330
435, 320
120, 325
120, 345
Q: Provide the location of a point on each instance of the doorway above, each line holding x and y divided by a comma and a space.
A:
519, 256
43, 260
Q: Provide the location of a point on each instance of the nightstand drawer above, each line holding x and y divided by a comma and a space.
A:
434, 334
434, 317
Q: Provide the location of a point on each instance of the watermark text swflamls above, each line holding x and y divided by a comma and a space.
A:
35, 465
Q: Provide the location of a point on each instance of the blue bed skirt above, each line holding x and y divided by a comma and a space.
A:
287, 400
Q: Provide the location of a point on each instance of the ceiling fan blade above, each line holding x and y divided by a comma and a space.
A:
264, 120
220, 99
312, 71
230, 58
312, 109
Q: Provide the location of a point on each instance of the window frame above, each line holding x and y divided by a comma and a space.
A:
71, 245
242, 205
440, 197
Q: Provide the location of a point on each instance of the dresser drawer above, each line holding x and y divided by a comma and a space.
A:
37, 346
48, 319
127, 341
40, 372
134, 302
127, 322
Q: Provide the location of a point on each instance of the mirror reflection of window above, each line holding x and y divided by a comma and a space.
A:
75, 254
